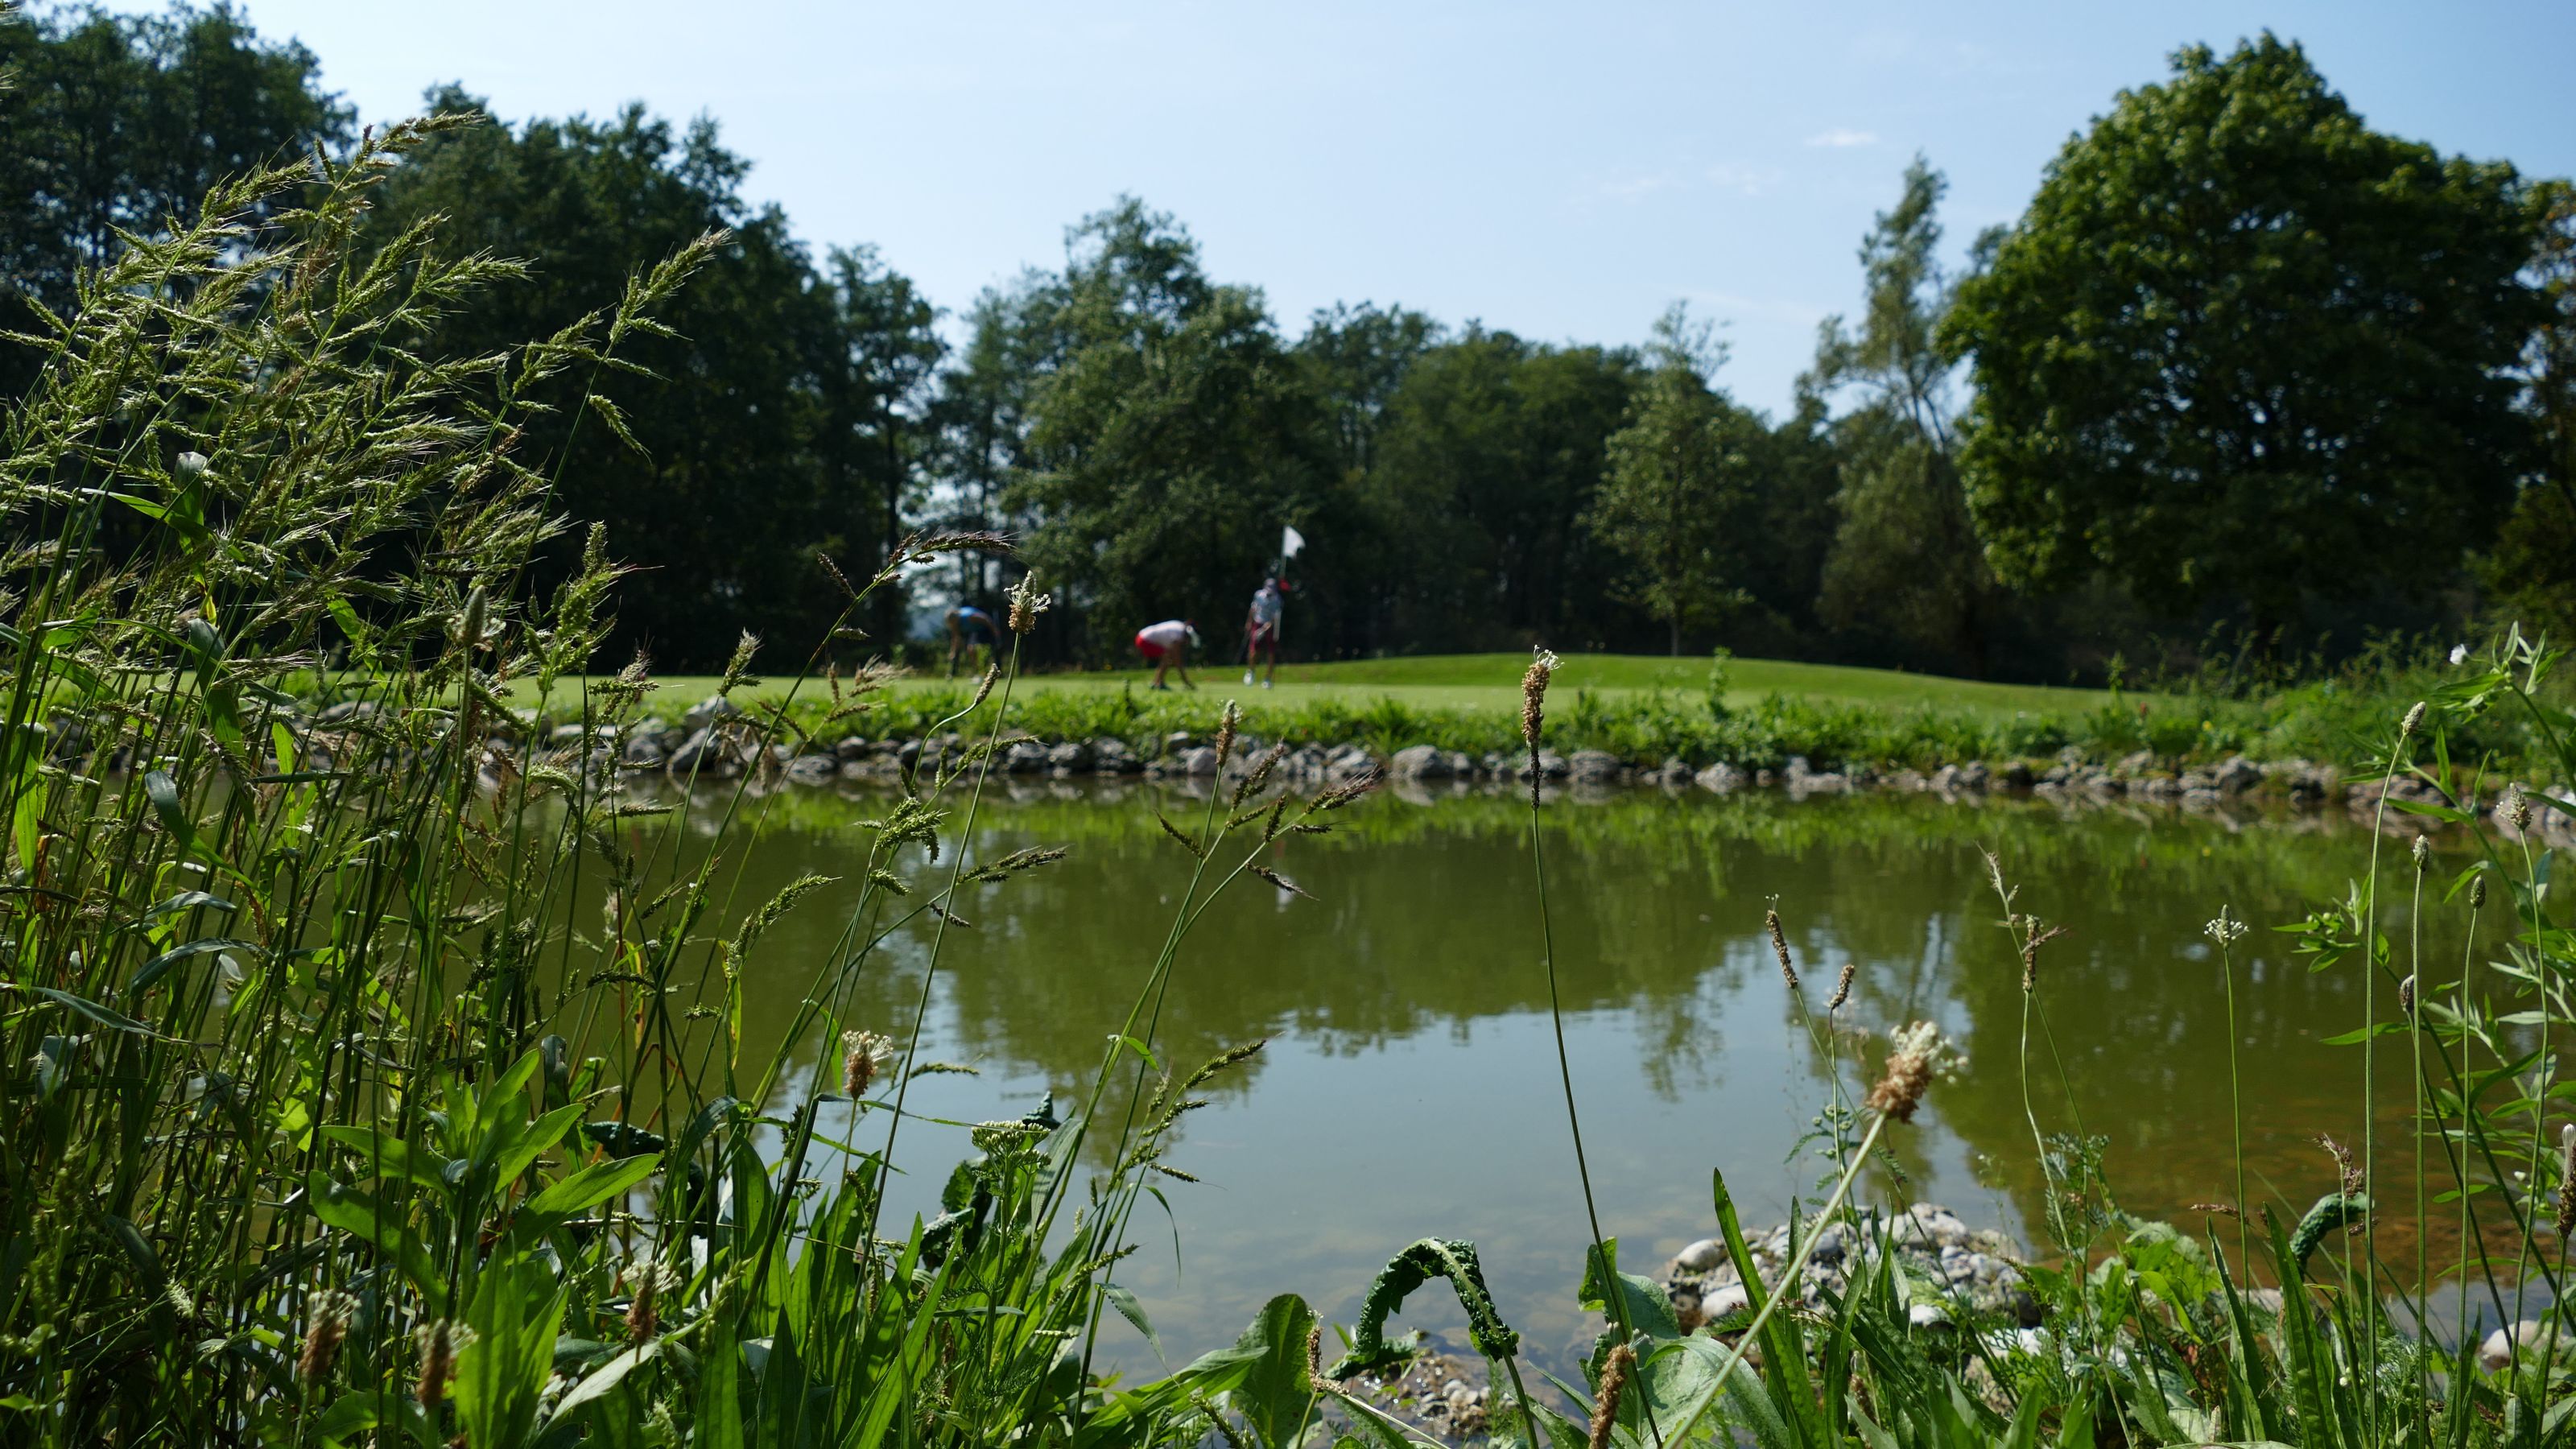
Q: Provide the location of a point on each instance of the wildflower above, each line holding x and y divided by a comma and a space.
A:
1534, 699
322, 1339
2517, 808
863, 1055
1605, 1407
191, 464
439, 1343
1842, 987
2225, 929
1027, 603
2567, 1181
2414, 719
2459, 654
1916, 1055
2406, 997
2343, 1161
1780, 944
643, 1311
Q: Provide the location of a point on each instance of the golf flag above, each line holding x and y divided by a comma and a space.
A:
1290, 540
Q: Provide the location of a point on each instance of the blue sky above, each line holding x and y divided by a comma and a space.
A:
1561, 171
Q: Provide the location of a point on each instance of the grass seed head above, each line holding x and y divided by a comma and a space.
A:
2478, 894
1605, 1405
1534, 698
322, 1339
1842, 987
1226, 725
2406, 997
2517, 808
2567, 1181
2414, 719
643, 1310
1780, 943
439, 1344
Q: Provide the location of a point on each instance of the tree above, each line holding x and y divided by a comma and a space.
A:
1905, 555
1171, 440
784, 416
1483, 465
122, 124
2530, 574
1673, 474
878, 400
2243, 347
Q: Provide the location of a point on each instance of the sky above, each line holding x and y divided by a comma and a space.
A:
1564, 172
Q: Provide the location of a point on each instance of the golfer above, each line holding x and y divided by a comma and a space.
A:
1167, 645
1261, 629
969, 628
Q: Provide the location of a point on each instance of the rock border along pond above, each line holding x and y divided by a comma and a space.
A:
714, 742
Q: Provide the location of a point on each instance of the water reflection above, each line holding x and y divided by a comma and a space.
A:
1409, 1086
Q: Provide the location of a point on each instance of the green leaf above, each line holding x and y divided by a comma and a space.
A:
592, 1186
605, 1377
361, 1217
159, 966
515, 1315
1277, 1395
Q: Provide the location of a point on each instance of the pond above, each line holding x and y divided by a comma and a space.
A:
1409, 1086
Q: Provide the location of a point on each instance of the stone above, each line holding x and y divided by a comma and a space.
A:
1720, 778
1027, 757
1719, 1303
2236, 774
1197, 763
2016, 776
1068, 757
696, 754
1927, 1315
1420, 762
644, 752
709, 710
2497, 1353
1594, 767
1702, 1256
813, 769
850, 748
1110, 755
1176, 741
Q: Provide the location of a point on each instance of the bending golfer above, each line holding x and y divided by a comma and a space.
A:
1167, 645
969, 628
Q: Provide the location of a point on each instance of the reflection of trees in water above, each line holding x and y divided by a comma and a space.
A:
1425, 923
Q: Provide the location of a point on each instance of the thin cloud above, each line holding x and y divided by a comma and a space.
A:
1748, 180
1630, 187
1843, 136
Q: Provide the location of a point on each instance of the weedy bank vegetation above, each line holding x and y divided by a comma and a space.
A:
328, 1119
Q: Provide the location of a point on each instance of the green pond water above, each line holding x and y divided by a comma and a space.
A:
1409, 1087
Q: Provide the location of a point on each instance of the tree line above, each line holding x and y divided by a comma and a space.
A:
2245, 366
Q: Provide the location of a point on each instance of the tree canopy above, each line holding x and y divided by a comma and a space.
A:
2241, 342
2244, 362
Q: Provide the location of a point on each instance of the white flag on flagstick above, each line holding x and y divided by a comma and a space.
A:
1290, 540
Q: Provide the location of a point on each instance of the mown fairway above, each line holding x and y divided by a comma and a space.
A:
1453, 681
